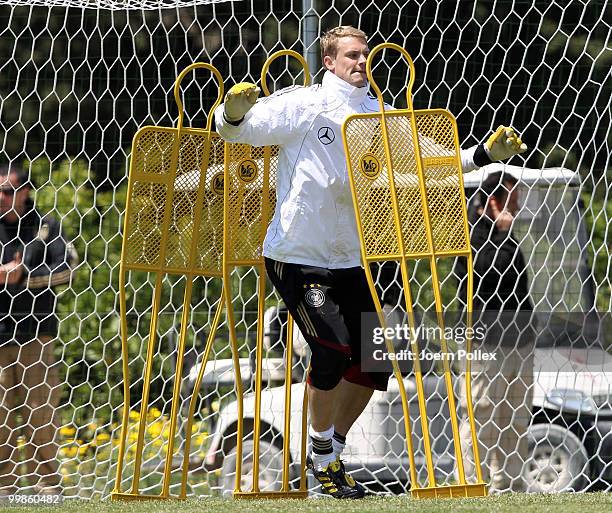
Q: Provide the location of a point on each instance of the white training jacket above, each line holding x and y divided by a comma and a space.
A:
314, 222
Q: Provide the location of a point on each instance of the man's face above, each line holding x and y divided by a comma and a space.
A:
509, 203
13, 197
512, 204
349, 64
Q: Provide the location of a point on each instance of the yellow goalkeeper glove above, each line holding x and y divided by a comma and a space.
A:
503, 144
239, 100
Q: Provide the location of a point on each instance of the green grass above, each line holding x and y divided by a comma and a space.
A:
510, 503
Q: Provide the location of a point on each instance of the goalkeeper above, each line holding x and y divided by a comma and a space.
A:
311, 249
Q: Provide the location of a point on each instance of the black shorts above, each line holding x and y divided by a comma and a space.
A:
327, 305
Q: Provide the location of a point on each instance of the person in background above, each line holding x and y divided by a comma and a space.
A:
502, 389
35, 258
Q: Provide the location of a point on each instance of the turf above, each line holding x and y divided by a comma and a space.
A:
511, 503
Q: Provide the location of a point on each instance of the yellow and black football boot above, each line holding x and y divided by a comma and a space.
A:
349, 481
335, 481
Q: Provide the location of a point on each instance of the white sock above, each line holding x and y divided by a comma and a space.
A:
322, 449
338, 444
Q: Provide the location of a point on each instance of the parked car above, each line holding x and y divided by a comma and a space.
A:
570, 437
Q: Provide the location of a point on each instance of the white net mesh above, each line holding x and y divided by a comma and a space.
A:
76, 82
119, 5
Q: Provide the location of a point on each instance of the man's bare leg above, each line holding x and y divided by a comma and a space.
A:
321, 406
351, 400
322, 460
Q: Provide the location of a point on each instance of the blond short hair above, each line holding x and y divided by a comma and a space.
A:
329, 40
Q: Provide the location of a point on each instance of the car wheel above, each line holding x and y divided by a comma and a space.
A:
557, 460
270, 468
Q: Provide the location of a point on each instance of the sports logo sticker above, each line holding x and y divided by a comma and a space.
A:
216, 184
370, 166
247, 170
314, 297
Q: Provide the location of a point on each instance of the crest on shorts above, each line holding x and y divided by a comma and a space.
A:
314, 296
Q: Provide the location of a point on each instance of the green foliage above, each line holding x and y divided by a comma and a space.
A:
598, 217
87, 309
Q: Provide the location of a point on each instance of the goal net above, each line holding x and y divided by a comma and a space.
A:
79, 78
